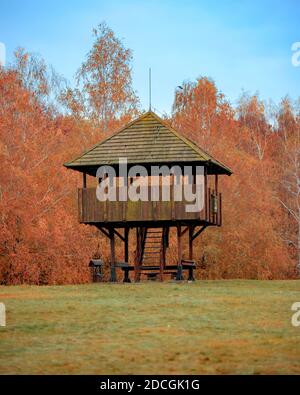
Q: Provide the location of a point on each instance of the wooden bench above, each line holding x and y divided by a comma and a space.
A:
173, 269
189, 265
185, 265
126, 269
168, 269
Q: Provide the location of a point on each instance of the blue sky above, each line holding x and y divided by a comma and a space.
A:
242, 45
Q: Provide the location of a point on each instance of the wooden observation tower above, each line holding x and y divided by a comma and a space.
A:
149, 141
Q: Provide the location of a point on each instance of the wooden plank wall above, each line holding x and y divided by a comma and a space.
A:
90, 210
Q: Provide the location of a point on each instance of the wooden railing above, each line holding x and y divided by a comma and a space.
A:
213, 207
91, 210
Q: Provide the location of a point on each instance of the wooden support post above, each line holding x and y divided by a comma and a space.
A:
191, 231
167, 237
126, 257
161, 267
166, 242
137, 256
126, 234
162, 256
126, 276
113, 277
179, 276
84, 180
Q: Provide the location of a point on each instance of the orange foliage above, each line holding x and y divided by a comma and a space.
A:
250, 244
41, 241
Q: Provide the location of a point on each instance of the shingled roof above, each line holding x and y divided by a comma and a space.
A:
146, 140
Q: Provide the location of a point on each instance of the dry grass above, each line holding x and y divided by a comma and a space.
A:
206, 327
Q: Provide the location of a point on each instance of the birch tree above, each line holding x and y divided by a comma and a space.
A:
289, 136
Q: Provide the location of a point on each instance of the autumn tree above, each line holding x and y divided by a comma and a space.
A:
40, 239
252, 117
104, 83
39, 78
197, 107
288, 158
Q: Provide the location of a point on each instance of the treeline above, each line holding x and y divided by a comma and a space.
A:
44, 122
260, 236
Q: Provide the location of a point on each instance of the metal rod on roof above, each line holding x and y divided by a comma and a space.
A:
150, 89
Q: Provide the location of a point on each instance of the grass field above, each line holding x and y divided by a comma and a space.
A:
201, 328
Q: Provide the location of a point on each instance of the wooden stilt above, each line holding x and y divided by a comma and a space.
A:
126, 234
162, 257
191, 231
113, 277
126, 255
165, 241
137, 256
179, 276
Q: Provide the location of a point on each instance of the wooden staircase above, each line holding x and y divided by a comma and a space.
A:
151, 256
150, 259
